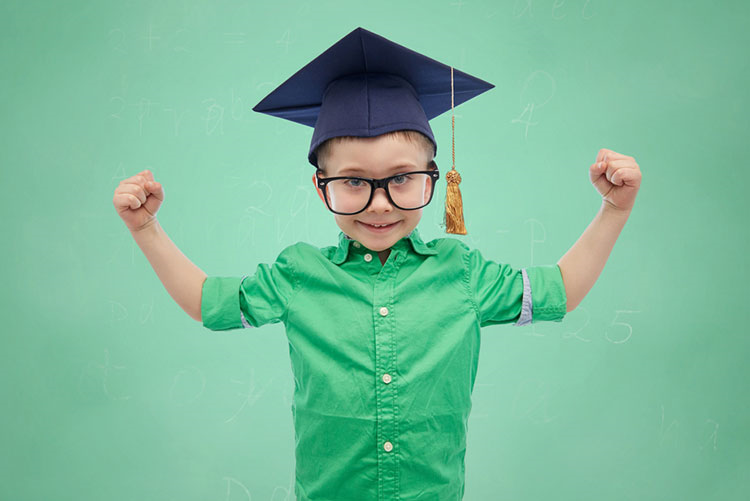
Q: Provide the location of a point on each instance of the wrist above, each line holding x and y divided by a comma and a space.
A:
610, 210
148, 230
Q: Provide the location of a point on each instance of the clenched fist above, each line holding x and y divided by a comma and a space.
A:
617, 178
137, 200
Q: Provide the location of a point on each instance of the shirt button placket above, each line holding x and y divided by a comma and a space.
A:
386, 391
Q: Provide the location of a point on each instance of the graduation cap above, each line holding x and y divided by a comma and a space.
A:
365, 85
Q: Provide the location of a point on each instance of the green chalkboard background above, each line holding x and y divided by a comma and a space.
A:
110, 391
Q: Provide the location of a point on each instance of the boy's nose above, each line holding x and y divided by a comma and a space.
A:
379, 201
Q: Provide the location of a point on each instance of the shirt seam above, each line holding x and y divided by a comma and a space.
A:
467, 284
296, 287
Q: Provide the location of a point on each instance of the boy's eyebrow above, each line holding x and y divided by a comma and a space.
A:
359, 170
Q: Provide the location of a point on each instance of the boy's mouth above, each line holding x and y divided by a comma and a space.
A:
379, 228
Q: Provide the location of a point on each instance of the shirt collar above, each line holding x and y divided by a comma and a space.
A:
413, 239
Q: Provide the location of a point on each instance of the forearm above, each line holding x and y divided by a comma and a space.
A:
182, 279
584, 261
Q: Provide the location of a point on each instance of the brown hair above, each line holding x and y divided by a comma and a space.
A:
412, 136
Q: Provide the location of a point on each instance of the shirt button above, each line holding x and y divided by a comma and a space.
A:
368, 257
384, 311
388, 447
386, 378
356, 244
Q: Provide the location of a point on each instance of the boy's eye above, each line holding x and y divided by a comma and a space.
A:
354, 183
400, 179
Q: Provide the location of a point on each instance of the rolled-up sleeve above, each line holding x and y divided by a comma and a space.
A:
504, 294
250, 300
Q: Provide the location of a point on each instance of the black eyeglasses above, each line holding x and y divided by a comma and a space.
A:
347, 195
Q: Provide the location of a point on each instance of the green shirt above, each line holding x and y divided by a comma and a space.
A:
384, 356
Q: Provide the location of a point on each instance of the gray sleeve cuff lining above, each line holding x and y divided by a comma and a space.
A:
526, 307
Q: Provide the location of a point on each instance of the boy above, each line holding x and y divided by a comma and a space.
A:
384, 351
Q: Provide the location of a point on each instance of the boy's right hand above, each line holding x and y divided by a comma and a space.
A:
138, 199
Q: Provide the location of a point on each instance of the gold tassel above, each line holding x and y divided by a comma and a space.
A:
454, 209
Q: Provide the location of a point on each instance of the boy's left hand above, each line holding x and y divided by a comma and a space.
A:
617, 178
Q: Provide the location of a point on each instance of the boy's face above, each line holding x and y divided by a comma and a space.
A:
376, 157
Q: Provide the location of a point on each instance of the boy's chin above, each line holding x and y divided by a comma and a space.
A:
379, 244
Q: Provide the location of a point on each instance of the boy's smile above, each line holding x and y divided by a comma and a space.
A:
376, 157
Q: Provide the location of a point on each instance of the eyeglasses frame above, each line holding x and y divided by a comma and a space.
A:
375, 184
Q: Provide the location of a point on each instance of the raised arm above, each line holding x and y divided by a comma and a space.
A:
617, 177
137, 200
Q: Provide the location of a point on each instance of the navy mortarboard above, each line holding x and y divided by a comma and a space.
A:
365, 85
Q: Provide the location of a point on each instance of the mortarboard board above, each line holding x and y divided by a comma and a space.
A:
365, 85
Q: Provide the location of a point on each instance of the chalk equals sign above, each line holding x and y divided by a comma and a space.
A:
234, 38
